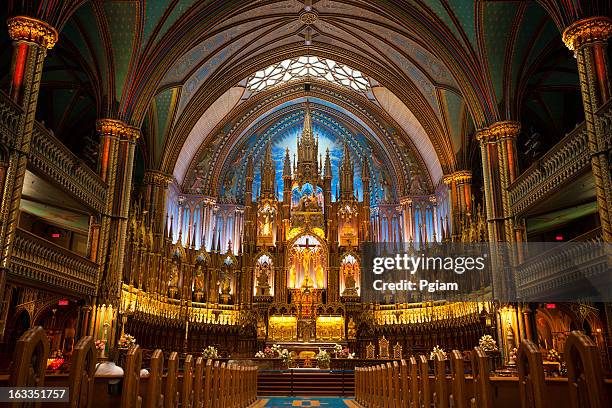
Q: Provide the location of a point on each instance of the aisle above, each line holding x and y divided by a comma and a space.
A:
324, 402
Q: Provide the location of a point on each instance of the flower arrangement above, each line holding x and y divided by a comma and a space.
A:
323, 359
345, 353
337, 348
487, 343
437, 349
553, 355
210, 352
275, 350
260, 354
126, 341
285, 355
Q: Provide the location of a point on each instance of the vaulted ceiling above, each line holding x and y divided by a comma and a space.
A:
180, 69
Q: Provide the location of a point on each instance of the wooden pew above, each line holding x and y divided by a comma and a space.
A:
441, 393
584, 372
130, 395
405, 384
215, 384
483, 397
82, 372
30, 362
154, 397
396, 397
532, 387
198, 383
414, 382
171, 395
187, 388
458, 397
208, 384
424, 384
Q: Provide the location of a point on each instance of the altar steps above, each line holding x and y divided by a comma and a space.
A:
306, 383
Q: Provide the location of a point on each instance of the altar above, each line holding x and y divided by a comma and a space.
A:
319, 329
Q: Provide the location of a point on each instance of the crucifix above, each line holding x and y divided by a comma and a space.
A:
306, 249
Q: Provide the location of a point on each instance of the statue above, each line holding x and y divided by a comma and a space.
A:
350, 288
173, 281
320, 276
352, 329
226, 287
292, 277
416, 185
199, 284
263, 280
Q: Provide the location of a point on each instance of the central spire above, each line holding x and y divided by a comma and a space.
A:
307, 152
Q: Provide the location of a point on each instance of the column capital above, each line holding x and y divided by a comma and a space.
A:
499, 130
157, 177
117, 128
587, 31
459, 176
30, 29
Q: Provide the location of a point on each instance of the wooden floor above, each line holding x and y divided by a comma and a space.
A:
292, 383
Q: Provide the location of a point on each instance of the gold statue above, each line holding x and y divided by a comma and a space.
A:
320, 276
352, 329
292, 276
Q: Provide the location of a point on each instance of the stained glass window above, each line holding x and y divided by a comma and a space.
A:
308, 66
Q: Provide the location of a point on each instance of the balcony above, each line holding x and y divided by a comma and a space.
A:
9, 118
36, 259
565, 162
51, 159
566, 271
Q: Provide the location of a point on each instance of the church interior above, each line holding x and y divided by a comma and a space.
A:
195, 182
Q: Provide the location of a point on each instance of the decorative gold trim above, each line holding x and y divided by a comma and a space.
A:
499, 130
157, 177
117, 128
23, 28
587, 31
459, 176
309, 17
507, 128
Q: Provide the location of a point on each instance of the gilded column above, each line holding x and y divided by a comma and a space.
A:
460, 187
588, 39
31, 39
499, 165
156, 193
117, 144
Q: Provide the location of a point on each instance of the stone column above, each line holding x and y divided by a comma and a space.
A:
588, 39
31, 39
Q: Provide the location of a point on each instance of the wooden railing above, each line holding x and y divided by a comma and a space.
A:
9, 118
566, 160
410, 383
52, 159
197, 383
37, 259
567, 265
